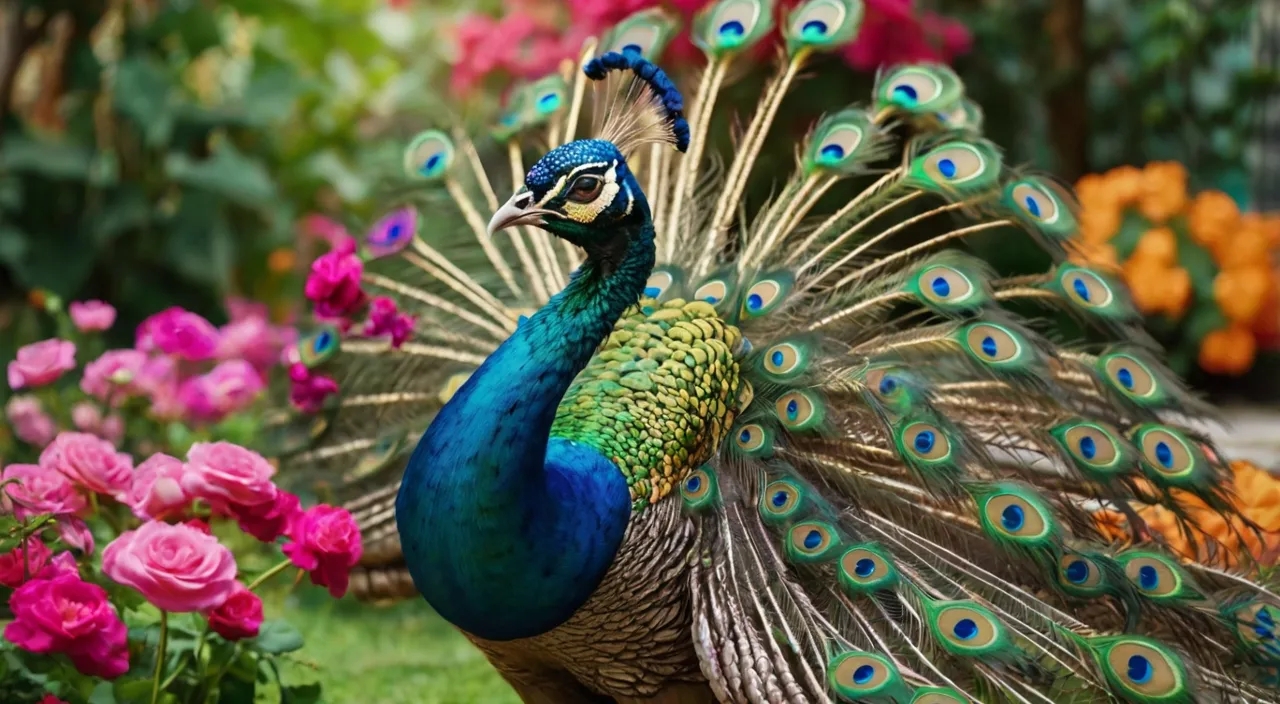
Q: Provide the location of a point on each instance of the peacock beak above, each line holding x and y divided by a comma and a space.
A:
517, 211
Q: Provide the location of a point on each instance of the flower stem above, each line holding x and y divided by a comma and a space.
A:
281, 567
164, 642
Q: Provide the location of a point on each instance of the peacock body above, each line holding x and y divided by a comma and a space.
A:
817, 455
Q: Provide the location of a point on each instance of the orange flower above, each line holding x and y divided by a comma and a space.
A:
1164, 191
1178, 292
1228, 351
1093, 192
1097, 255
1158, 246
1248, 247
1213, 217
1099, 223
1258, 494
1146, 284
1241, 293
1266, 327
281, 260
1125, 185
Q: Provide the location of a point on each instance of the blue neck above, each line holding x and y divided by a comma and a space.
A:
505, 531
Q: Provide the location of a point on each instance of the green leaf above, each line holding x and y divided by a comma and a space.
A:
233, 690
132, 689
126, 209
201, 244
300, 694
277, 637
144, 92
228, 173
104, 693
13, 245
62, 160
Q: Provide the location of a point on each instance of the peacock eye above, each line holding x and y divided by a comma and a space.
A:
585, 189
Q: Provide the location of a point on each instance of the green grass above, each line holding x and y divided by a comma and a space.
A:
403, 653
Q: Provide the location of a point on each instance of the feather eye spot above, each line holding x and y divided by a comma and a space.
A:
1153, 575
1144, 669
926, 442
838, 144
428, 155
699, 489
1090, 444
763, 297
945, 284
1086, 288
811, 541
1079, 574
1166, 451
1130, 376
1016, 517
752, 439
783, 359
798, 411
863, 569
780, 500
956, 163
858, 675
1036, 202
968, 628
712, 292
1077, 571
888, 385
658, 283
992, 343
319, 347
1013, 517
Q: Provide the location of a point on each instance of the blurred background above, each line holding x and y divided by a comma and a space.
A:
199, 154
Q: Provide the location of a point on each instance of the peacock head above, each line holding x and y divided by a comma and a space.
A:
582, 192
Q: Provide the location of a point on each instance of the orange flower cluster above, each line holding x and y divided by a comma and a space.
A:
1243, 246
1257, 498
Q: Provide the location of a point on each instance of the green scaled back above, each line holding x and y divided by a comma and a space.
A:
1170, 459
767, 293
998, 347
866, 568
814, 541
861, 676
664, 283
383, 452
1141, 671
923, 89
843, 142
951, 284
646, 32
1134, 377
938, 695
731, 26
1093, 293
1014, 516
823, 25
1157, 577
700, 490
548, 96
429, 156
319, 347
1096, 449
957, 168
786, 360
1042, 205
968, 629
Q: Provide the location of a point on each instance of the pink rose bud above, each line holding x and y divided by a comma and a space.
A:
334, 282
92, 316
269, 521
38, 490
62, 563
385, 319
326, 543
156, 491
175, 567
240, 616
41, 363
180, 333
231, 386
112, 429
308, 392
23, 562
228, 477
114, 375
30, 423
70, 616
86, 416
75, 533
91, 463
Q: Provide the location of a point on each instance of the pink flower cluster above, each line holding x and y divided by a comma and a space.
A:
530, 41
386, 319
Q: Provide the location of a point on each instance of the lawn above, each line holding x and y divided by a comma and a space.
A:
401, 654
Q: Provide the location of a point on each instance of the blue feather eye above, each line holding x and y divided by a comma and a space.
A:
429, 155
712, 292
865, 569
1079, 575
967, 628
753, 440
1155, 576
766, 295
734, 25
1142, 668
392, 233
812, 541
823, 24
1256, 627
781, 501
319, 347
784, 360
922, 90
1013, 513
646, 33
798, 410
700, 489
926, 442
858, 675
1166, 453
1094, 448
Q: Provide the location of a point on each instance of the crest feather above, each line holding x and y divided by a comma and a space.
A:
638, 104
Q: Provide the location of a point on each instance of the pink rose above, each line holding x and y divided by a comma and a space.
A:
324, 228
92, 316
386, 319
30, 423
90, 462
41, 362
254, 340
75, 532
231, 386
334, 282
157, 488
176, 567
62, 563
326, 543
86, 416
269, 521
240, 616
41, 490
68, 615
112, 429
228, 477
180, 333
113, 375
23, 562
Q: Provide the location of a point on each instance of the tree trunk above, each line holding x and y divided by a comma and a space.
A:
1068, 102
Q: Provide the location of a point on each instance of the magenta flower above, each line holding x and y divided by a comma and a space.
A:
75, 532
253, 339
23, 562
70, 616
92, 316
231, 386
41, 363
240, 616
334, 283
326, 543
90, 463
309, 391
176, 567
156, 491
113, 375
30, 423
40, 490
180, 333
385, 319
266, 522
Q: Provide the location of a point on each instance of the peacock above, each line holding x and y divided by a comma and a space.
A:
642, 442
